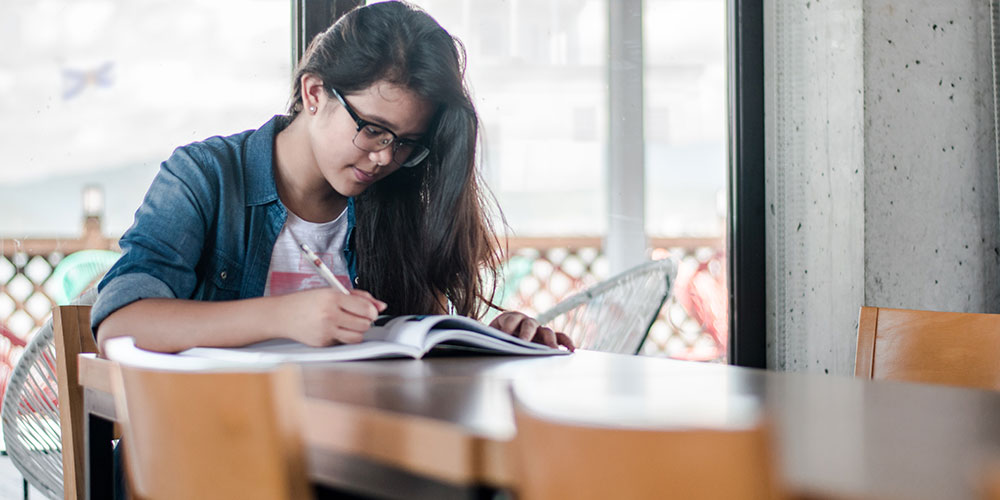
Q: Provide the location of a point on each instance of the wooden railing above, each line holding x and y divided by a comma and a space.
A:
90, 237
25, 267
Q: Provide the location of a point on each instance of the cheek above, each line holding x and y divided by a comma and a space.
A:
331, 145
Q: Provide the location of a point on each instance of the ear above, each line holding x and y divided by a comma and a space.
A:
313, 92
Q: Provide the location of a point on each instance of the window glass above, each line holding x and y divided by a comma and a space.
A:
539, 74
100, 92
537, 70
685, 118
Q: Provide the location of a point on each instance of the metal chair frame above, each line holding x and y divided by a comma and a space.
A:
666, 267
30, 416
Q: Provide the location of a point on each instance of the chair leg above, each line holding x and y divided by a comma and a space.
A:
24, 484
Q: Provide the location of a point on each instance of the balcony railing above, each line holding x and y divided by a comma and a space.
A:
693, 324
540, 272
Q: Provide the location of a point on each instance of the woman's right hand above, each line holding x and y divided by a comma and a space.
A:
325, 316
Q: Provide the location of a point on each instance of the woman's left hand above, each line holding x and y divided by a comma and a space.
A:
527, 328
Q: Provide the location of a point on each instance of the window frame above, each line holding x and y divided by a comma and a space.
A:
311, 17
746, 196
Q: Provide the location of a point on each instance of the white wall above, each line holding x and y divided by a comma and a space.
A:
881, 176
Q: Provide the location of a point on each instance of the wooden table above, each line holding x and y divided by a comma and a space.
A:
439, 427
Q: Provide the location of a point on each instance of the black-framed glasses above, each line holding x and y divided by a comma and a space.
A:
373, 138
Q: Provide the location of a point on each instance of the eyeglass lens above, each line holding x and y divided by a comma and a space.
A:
374, 138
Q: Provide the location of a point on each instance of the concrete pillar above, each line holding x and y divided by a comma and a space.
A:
881, 169
814, 182
931, 218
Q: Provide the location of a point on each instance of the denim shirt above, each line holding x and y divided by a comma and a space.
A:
206, 227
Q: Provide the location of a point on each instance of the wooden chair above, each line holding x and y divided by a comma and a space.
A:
960, 349
209, 434
990, 482
555, 459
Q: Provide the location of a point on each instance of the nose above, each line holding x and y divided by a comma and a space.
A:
383, 157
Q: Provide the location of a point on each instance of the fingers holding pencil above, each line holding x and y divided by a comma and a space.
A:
323, 316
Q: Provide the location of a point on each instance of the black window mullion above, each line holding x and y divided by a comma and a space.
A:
745, 235
310, 17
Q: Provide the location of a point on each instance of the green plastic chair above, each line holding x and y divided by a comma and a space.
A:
79, 271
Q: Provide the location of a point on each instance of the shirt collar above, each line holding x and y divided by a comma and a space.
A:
260, 187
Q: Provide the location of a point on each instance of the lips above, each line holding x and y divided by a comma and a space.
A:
362, 176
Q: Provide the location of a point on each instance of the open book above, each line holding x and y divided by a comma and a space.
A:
389, 337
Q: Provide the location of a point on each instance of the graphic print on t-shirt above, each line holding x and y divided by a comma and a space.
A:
304, 277
291, 271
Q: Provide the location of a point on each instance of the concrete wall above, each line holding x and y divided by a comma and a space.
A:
814, 181
881, 175
931, 217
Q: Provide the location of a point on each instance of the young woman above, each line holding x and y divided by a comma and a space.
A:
373, 167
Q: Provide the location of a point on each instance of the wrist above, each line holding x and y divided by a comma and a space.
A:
268, 316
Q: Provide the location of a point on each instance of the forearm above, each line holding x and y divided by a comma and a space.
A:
172, 325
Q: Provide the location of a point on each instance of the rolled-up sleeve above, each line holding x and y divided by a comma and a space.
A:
162, 249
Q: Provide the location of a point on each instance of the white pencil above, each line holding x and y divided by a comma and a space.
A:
321, 268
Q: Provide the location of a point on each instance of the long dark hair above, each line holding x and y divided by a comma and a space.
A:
423, 236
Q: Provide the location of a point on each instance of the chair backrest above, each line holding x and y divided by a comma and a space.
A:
989, 481
212, 434
570, 460
71, 327
615, 315
31, 415
78, 272
960, 349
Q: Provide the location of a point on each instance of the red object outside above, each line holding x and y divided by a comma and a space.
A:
701, 290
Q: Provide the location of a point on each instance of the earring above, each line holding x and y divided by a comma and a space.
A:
312, 109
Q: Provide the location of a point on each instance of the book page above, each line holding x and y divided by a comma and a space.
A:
284, 350
511, 345
404, 330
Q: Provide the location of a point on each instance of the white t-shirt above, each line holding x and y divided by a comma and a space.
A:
291, 271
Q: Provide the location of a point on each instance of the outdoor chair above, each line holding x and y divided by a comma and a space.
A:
197, 428
39, 387
615, 315
950, 348
30, 416
11, 348
78, 272
32, 421
565, 456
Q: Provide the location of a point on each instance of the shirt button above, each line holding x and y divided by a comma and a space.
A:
223, 275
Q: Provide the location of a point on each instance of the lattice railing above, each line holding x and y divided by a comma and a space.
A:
26, 290
539, 273
693, 324
26, 293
